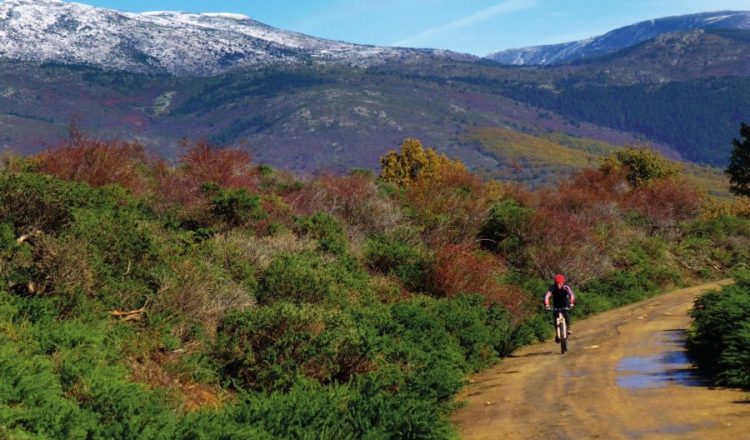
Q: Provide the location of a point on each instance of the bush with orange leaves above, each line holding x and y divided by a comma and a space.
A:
200, 164
448, 201
99, 163
575, 227
665, 203
353, 198
205, 163
451, 206
567, 242
463, 269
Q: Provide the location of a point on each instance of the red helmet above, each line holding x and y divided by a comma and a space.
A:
559, 279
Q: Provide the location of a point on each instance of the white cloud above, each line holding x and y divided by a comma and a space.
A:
502, 8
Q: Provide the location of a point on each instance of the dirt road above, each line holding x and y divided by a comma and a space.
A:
626, 376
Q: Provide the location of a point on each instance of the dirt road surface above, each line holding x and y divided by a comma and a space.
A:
626, 376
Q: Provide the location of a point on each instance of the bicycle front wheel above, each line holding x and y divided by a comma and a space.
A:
563, 329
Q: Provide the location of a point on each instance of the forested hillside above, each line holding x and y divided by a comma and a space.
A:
218, 298
666, 113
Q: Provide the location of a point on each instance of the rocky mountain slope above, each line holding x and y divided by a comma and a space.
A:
621, 38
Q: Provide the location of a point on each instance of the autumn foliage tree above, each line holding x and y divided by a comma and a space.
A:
443, 196
415, 162
641, 165
450, 206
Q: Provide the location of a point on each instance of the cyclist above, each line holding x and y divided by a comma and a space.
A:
562, 298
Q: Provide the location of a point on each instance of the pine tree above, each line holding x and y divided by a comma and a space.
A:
739, 163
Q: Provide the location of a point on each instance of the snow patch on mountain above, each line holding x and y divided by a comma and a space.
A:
177, 43
621, 38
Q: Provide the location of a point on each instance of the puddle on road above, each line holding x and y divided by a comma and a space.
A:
660, 370
670, 429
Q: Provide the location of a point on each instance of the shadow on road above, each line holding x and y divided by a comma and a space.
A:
539, 353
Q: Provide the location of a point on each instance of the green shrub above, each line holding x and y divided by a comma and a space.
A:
307, 277
122, 252
37, 202
401, 254
506, 229
326, 230
64, 379
230, 257
719, 338
270, 348
236, 207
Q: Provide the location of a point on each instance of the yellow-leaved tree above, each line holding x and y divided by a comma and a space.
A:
641, 165
416, 162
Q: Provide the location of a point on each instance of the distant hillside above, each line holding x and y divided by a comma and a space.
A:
678, 56
621, 38
304, 118
698, 116
683, 93
545, 158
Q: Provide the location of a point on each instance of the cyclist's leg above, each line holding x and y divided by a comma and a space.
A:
566, 314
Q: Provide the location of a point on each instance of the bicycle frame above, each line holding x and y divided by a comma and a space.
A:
561, 329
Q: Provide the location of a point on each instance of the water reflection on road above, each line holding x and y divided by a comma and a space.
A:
670, 367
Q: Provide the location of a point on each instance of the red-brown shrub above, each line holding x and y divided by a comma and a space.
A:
173, 188
665, 203
451, 206
228, 168
575, 228
202, 163
564, 242
465, 269
99, 163
353, 198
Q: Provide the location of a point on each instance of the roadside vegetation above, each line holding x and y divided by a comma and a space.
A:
719, 340
218, 298
720, 336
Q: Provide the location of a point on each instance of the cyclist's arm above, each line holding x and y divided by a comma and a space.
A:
546, 298
571, 295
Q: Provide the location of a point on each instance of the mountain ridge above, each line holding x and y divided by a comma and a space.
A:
177, 43
620, 38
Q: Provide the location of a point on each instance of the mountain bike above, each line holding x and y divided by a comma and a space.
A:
561, 329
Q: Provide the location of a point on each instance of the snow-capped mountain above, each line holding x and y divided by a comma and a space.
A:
621, 38
167, 42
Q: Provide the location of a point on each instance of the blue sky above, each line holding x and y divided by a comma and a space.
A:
473, 26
